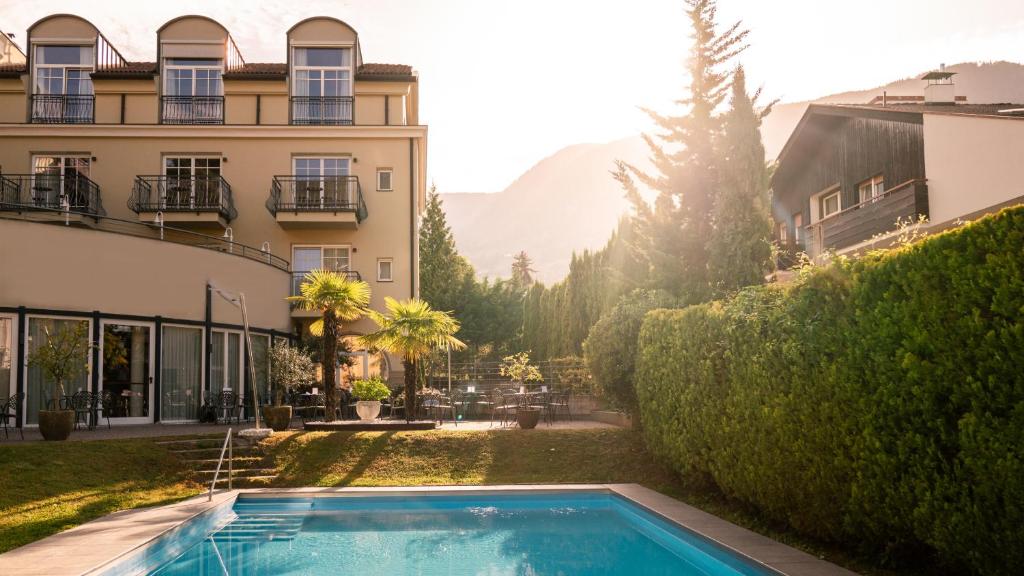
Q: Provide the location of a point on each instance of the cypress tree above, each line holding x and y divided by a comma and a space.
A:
740, 248
443, 271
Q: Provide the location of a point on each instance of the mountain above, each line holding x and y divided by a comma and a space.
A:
566, 202
569, 202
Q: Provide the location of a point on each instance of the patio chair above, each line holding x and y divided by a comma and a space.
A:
228, 407
444, 405
82, 403
10, 412
559, 402
396, 408
103, 403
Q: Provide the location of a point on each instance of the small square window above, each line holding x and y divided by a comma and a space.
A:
830, 204
384, 266
384, 180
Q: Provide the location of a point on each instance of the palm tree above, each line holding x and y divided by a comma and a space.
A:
413, 329
338, 299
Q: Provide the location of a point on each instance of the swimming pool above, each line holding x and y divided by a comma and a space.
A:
565, 534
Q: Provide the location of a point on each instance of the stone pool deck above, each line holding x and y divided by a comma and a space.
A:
88, 548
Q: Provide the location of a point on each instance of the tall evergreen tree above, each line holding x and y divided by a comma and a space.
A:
673, 232
740, 248
522, 270
443, 272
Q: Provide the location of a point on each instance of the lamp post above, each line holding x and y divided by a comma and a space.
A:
239, 302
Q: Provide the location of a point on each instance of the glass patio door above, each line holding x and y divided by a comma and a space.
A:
42, 392
126, 379
181, 373
226, 363
191, 182
7, 386
58, 178
321, 182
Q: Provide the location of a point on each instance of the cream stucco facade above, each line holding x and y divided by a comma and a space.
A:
319, 154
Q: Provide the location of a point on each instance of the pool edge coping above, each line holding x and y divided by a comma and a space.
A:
753, 547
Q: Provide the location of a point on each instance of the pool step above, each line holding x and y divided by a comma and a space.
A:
259, 528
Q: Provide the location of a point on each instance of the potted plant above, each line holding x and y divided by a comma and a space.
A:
62, 357
518, 368
370, 392
290, 368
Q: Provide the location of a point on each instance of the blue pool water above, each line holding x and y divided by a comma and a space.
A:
565, 534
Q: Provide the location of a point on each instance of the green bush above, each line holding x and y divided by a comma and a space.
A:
610, 347
879, 402
371, 389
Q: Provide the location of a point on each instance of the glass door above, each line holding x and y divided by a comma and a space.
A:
59, 178
7, 385
191, 182
181, 373
126, 379
322, 183
42, 391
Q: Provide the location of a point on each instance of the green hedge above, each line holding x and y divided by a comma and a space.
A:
879, 402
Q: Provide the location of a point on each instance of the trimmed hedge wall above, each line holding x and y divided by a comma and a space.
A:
879, 401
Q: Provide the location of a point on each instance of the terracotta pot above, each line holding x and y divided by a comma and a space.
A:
368, 410
56, 424
278, 417
527, 418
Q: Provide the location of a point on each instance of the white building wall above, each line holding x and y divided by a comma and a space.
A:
972, 164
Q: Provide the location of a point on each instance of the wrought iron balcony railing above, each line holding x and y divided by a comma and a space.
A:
192, 109
63, 108
323, 110
183, 194
70, 192
299, 277
317, 194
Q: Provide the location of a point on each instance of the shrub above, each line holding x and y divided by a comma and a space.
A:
371, 389
610, 347
879, 401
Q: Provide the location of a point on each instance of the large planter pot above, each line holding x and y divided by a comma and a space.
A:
368, 410
278, 417
56, 424
528, 418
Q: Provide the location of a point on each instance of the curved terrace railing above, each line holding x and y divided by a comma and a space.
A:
183, 194
28, 213
317, 194
73, 192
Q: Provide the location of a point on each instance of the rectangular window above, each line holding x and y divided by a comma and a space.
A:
870, 189
384, 270
63, 70
61, 178
798, 225
307, 258
193, 91
783, 234
322, 89
322, 183
42, 391
191, 182
181, 373
830, 204
384, 179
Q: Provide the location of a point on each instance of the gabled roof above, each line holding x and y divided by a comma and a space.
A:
279, 70
12, 70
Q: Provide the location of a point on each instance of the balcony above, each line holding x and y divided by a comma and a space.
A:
323, 110
183, 200
47, 193
63, 108
869, 219
192, 109
317, 201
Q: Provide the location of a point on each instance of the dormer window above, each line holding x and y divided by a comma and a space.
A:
193, 91
62, 90
322, 85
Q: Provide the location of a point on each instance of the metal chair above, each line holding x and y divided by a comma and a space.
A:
228, 406
103, 404
560, 402
83, 404
10, 412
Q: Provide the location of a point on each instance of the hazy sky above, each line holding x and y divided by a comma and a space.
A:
504, 84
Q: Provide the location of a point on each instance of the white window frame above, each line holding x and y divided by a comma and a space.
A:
241, 362
797, 235
391, 270
323, 188
347, 247
825, 197
152, 367
350, 68
783, 233
391, 179
63, 158
216, 67
36, 66
88, 370
12, 338
203, 359
191, 169
874, 186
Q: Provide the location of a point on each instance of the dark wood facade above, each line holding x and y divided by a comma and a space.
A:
842, 147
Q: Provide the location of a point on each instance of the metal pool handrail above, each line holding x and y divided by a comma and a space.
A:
228, 445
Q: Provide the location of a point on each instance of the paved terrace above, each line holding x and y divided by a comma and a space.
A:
159, 430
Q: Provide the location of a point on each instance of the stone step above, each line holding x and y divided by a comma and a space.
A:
212, 462
238, 472
247, 480
216, 451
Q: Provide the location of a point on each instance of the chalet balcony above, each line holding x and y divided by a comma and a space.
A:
54, 194
323, 110
63, 108
192, 109
317, 201
183, 200
869, 219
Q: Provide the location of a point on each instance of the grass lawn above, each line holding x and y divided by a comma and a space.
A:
48, 487
51, 487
